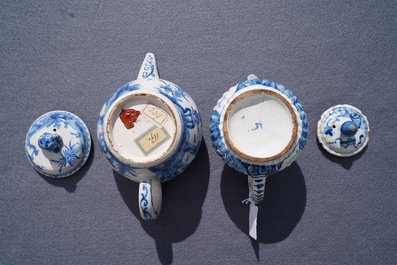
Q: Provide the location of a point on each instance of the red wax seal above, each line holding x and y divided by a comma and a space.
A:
128, 117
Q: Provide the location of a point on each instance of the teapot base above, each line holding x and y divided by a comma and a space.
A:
260, 125
143, 128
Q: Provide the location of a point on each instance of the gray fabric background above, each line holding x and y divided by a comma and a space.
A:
72, 55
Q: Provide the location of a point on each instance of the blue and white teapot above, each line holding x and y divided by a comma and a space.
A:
150, 131
258, 127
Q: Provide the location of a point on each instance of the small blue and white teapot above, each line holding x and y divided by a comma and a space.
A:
150, 131
258, 127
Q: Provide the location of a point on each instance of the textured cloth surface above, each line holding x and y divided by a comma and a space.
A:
71, 55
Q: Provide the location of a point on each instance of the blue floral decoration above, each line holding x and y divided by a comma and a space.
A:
46, 125
69, 156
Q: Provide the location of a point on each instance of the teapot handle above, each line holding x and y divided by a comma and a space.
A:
150, 197
148, 67
257, 188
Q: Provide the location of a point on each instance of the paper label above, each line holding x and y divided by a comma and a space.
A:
157, 115
253, 220
253, 213
152, 139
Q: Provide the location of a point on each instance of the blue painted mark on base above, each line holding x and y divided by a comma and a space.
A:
258, 126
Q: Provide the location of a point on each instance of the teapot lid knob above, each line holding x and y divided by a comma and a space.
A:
51, 142
349, 128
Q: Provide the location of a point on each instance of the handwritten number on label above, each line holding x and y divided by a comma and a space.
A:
155, 112
154, 137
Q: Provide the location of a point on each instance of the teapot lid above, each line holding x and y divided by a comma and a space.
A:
343, 130
58, 144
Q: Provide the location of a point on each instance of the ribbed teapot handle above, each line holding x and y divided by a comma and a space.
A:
149, 67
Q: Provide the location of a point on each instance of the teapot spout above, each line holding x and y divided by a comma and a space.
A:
149, 67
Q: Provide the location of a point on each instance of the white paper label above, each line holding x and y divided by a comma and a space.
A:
252, 220
156, 114
253, 214
152, 139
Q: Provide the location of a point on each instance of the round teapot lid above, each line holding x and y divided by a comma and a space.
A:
343, 130
58, 144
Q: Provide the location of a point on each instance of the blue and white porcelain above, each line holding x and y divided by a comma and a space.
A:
150, 131
58, 144
343, 130
258, 127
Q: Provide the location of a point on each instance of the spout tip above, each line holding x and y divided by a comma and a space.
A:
149, 67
